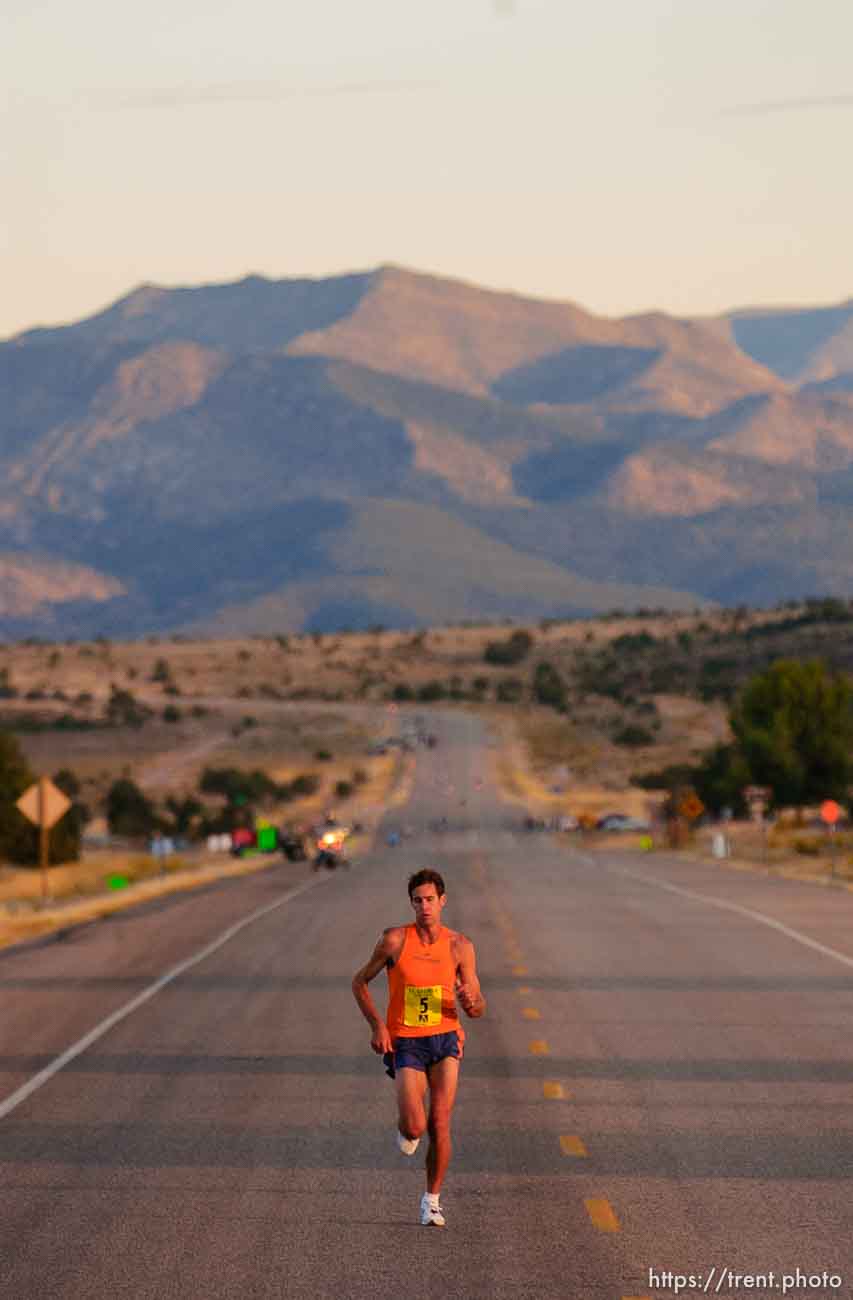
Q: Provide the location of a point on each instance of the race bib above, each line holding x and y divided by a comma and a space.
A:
422, 1006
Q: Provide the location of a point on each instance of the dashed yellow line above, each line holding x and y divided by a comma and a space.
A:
554, 1091
572, 1145
520, 970
530, 1013
524, 990
539, 1047
601, 1213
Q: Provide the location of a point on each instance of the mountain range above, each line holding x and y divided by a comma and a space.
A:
395, 448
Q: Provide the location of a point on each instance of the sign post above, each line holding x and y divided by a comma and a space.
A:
830, 812
757, 798
43, 803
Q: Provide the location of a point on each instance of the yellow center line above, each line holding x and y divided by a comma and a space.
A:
530, 1013
539, 1047
524, 990
520, 970
601, 1213
554, 1091
571, 1145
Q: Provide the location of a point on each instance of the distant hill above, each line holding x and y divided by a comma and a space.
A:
398, 448
799, 344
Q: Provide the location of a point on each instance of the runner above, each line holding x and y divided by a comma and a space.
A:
429, 968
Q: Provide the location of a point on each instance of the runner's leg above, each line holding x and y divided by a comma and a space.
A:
443, 1079
411, 1089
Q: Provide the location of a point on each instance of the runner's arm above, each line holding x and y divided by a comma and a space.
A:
386, 948
468, 989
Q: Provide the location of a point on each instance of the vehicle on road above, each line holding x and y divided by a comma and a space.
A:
292, 844
621, 822
330, 849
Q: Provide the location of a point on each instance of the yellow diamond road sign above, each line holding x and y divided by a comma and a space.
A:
44, 803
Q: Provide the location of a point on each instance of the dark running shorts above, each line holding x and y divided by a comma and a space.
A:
420, 1053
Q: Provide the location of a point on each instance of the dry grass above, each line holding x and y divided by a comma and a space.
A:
538, 753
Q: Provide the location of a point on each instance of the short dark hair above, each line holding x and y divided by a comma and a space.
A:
426, 876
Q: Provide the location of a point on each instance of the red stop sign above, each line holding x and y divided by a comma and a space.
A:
830, 812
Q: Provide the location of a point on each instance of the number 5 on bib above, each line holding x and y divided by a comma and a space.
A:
422, 1006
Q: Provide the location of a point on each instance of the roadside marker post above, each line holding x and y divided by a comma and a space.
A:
830, 812
43, 803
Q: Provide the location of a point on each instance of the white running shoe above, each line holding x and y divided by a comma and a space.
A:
408, 1146
431, 1214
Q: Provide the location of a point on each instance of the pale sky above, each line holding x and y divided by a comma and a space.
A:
628, 155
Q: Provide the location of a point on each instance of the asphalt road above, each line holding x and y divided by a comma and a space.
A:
662, 1081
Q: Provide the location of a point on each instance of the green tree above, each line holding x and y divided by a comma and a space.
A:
721, 778
793, 727
66, 834
17, 835
124, 710
129, 811
183, 812
19, 838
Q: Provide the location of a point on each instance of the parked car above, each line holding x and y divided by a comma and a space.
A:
621, 822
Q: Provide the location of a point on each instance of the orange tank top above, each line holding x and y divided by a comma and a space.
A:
421, 983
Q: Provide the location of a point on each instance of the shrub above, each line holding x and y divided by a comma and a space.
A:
343, 789
306, 784
124, 710
632, 643
509, 690
510, 651
432, 690
633, 735
238, 786
808, 846
323, 755
549, 687
162, 672
664, 778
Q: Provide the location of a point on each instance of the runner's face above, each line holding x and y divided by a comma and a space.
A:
427, 904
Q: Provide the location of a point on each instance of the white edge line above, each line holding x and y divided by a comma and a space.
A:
744, 911
43, 1076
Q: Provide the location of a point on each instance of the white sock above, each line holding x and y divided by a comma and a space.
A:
431, 1198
